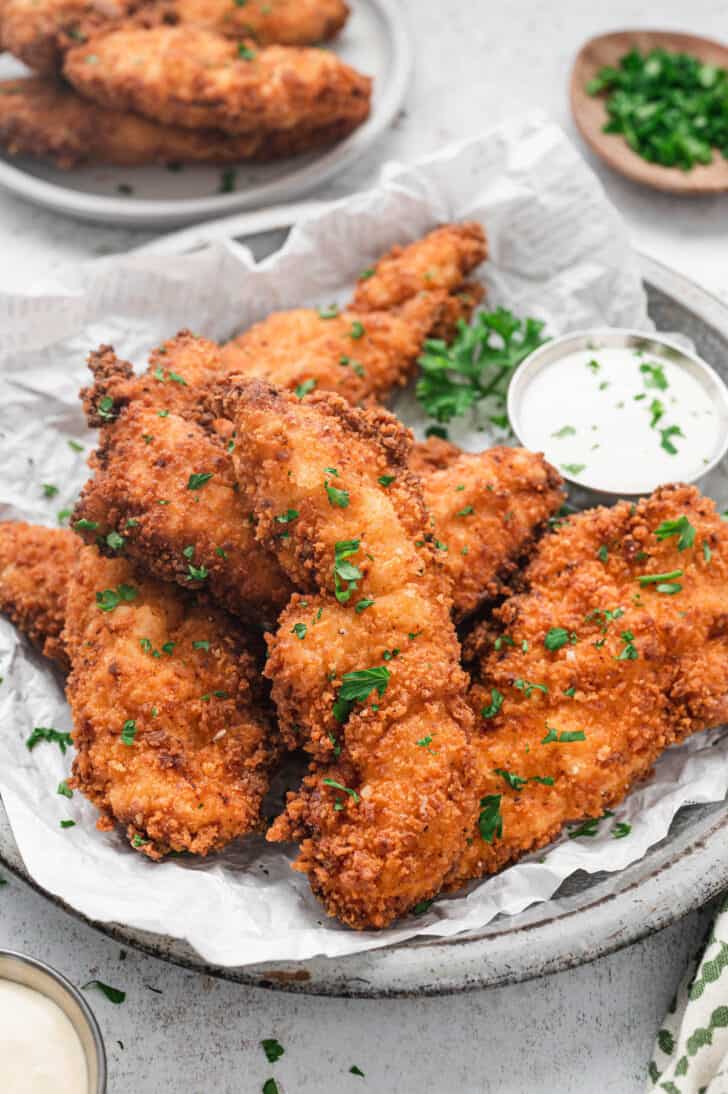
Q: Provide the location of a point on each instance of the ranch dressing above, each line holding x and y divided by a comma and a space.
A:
40, 1051
620, 419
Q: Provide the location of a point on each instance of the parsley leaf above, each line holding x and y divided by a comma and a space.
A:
356, 687
273, 1049
109, 599
490, 821
345, 571
680, 527
43, 733
198, 479
479, 362
114, 995
496, 702
338, 499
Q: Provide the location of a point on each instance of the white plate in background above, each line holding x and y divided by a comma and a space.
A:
375, 41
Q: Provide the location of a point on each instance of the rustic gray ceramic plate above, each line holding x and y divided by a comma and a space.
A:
591, 915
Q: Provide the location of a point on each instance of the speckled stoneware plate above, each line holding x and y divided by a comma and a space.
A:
591, 915
375, 41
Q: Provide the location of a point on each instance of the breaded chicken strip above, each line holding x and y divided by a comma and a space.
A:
39, 32
367, 666
487, 512
164, 495
35, 570
195, 78
364, 352
618, 650
48, 120
285, 22
171, 740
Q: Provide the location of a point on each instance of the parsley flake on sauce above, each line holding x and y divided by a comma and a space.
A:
47, 733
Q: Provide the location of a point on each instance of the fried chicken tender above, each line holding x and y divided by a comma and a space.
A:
172, 742
364, 352
36, 564
38, 32
596, 672
49, 120
388, 800
195, 78
269, 22
488, 510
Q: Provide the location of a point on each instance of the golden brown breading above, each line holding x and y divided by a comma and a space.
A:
38, 32
195, 78
387, 802
171, 741
361, 352
596, 674
285, 22
440, 260
35, 569
46, 119
487, 511
164, 492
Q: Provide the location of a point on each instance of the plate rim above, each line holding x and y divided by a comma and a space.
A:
442, 966
168, 213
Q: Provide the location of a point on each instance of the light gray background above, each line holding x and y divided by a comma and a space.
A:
589, 1030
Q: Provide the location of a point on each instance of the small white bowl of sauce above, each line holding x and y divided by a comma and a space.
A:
620, 412
50, 1042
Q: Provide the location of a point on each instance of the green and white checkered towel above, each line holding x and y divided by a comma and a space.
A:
691, 1053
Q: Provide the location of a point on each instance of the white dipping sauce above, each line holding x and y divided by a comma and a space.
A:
610, 418
40, 1051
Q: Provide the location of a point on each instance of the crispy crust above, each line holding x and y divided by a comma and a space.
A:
488, 511
49, 120
629, 708
364, 353
36, 564
197, 79
195, 774
372, 853
38, 32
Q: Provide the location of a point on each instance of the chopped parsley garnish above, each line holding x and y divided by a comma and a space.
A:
418, 910
603, 553
128, 732
335, 744
680, 527
621, 829
357, 330
273, 1049
516, 782
654, 376
64, 790
329, 313
356, 687
49, 490
363, 604
114, 995
75, 446
654, 579
707, 553
44, 733
139, 841
288, 516
366, 274
386, 480
669, 106
108, 599
565, 737
270, 1086
528, 688
657, 411
603, 618
478, 363
344, 789
629, 652
201, 644
198, 479
666, 434
196, 573
425, 742
62, 515
338, 499
465, 512
556, 637
299, 629
68, 824
588, 828
573, 468
565, 431
304, 388
345, 571
115, 541
496, 702
593, 365
490, 821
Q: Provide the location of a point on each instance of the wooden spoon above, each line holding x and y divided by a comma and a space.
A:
590, 113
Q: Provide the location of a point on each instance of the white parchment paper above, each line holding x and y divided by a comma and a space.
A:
558, 251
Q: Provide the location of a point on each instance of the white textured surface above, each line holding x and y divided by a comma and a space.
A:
590, 1030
